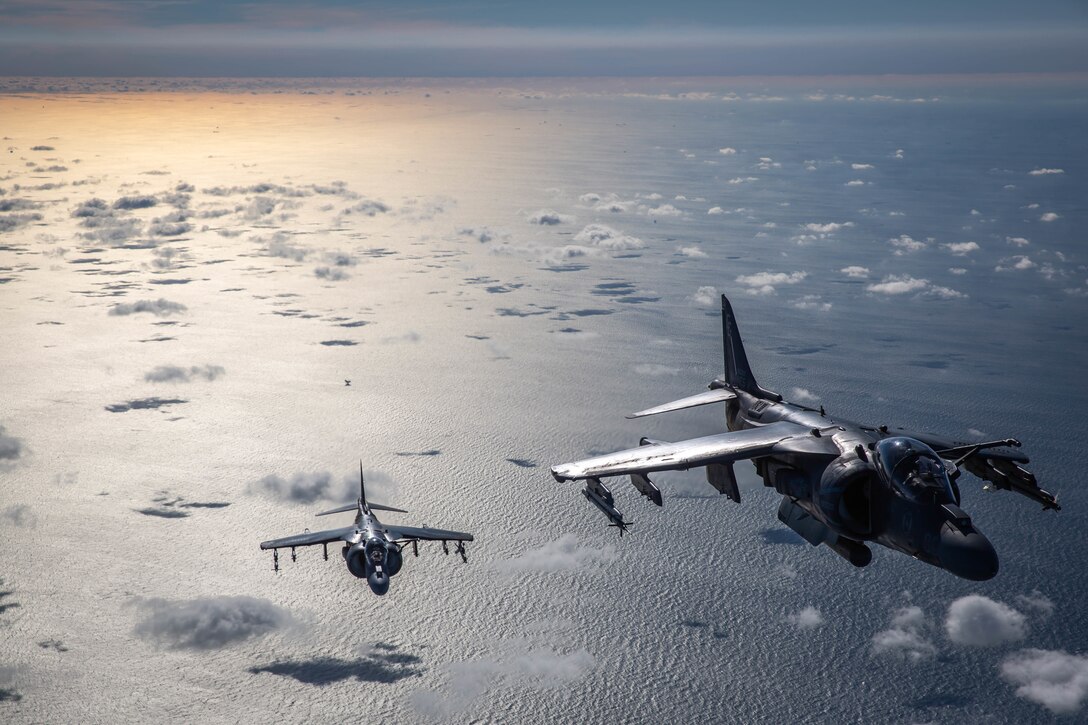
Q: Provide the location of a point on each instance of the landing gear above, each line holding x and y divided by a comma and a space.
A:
326, 547
294, 557
445, 547
276, 560
461, 551
415, 548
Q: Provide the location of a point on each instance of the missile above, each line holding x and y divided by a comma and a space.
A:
646, 487
601, 497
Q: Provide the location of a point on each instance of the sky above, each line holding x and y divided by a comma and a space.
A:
565, 38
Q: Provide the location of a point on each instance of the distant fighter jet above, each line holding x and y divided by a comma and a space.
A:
843, 484
372, 549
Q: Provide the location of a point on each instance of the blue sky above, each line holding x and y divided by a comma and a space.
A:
490, 37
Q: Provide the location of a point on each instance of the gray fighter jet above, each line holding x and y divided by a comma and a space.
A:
843, 484
371, 549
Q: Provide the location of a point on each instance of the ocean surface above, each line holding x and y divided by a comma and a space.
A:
191, 270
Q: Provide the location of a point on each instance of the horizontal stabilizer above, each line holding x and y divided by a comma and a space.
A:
692, 401
380, 507
342, 509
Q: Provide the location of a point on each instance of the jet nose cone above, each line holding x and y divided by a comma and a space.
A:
967, 555
379, 584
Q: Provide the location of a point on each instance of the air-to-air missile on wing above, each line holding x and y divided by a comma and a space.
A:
372, 550
843, 484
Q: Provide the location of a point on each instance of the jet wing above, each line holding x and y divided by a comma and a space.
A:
316, 537
776, 438
998, 465
425, 533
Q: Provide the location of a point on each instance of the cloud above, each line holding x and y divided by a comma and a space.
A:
803, 395
742, 180
1017, 241
332, 274
537, 668
175, 374
1019, 262
306, 488
1044, 172
563, 554
763, 283
862, 167
482, 234
605, 237
1036, 601
20, 516
855, 271
856, 182
829, 228
1056, 680
906, 638
10, 446
160, 307
898, 285
692, 251
904, 243
665, 210
715, 211
977, 621
135, 202
209, 623
705, 296
807, 618
655, 370
961, 249
278, 245
727, 151
811, 302
549, 217
1049, 217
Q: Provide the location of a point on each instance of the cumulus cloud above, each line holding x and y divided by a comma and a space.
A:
1019, 262
605, 237
807, 618
856, 182
855, 271
332, 274
898, 285
705, 296
1056, 680
306, 487
803, 395
548, 217
763, 283
1049, 217
1045, 172
906, 637
742, 180
563, 554
279, 245
905, 243
209, 623
483, 235
176, 374
811, 302
367, 207
961, 249
655, 370
828, 228
978, 621
692, 251
135, 202
533, 667
715, 211
1017, 241
861, 167
727, 151
10, 446
665, 210
160, 307
20, 516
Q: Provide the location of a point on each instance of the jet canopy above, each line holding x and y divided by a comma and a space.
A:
914, 470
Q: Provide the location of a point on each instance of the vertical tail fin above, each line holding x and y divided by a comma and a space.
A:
362, 488
737, 372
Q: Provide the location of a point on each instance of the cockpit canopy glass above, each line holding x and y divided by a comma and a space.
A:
914, 469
